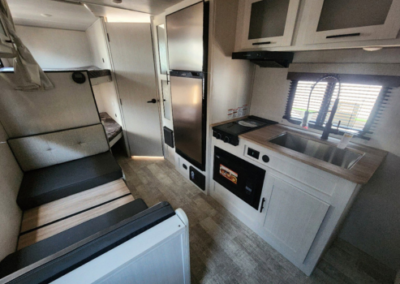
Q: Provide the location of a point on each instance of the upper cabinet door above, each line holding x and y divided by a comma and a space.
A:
267, 23
332, 21
185, 38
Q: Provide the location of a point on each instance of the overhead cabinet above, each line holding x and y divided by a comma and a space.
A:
266, 23
289, 25
331, 21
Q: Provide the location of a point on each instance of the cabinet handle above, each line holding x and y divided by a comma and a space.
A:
260, 43
262, 205
344, 35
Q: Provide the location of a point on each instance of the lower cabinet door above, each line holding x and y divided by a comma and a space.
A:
292, 218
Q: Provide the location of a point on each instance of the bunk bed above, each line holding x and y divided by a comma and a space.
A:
80, 222
113, 129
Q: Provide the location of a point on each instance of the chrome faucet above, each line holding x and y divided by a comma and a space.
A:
328, 126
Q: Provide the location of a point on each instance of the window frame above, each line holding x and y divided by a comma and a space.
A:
373, 118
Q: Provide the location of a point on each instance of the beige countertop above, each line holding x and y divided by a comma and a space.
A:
360, 173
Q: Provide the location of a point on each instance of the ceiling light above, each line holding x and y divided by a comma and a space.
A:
372, 48
46, 15
117, 1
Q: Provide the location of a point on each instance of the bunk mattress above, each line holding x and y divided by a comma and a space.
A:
113, 129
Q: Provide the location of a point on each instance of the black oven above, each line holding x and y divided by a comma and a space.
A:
243, 179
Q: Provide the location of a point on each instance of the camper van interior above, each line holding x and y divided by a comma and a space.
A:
200, 141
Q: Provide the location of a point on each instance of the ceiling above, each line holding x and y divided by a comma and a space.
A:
71, 15
153, 7
118, 15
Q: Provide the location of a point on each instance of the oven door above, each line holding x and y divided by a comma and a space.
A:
238, 176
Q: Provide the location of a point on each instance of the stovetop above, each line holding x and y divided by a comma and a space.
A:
229, 132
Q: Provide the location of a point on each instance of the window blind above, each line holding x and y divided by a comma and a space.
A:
359, 109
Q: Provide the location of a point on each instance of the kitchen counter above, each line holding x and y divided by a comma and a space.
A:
360, 173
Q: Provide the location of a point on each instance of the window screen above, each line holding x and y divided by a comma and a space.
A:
357, 111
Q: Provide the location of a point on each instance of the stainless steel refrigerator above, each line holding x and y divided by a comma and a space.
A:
187, 34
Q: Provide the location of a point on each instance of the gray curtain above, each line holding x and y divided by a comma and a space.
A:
29, 75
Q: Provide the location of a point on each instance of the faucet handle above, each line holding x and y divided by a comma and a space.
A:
337, 128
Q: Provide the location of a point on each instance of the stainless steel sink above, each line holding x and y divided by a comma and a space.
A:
343, 158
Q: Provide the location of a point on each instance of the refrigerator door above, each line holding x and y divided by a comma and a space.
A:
185, 38
187, 110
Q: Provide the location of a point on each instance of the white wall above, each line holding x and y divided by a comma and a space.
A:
231, 80
10, 214
53, 48
105, 93
372, 223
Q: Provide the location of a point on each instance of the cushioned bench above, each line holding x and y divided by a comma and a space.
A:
55, 182
63, 163
53, 257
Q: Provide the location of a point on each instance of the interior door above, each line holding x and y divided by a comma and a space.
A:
292, 218
133, 62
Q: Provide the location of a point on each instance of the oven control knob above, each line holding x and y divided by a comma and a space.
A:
217, 135
226, 139
265, 159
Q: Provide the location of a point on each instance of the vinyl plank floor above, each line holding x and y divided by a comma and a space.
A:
224, 250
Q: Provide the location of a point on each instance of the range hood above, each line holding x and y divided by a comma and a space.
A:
266, 58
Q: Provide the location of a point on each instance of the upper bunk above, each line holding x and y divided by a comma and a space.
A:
96, 75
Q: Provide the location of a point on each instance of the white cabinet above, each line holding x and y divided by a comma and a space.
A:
332, 21
266, 23
302, 206
291, 218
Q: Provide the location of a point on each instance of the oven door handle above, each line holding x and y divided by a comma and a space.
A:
262, 204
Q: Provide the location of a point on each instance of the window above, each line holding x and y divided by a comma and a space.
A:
357, 111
